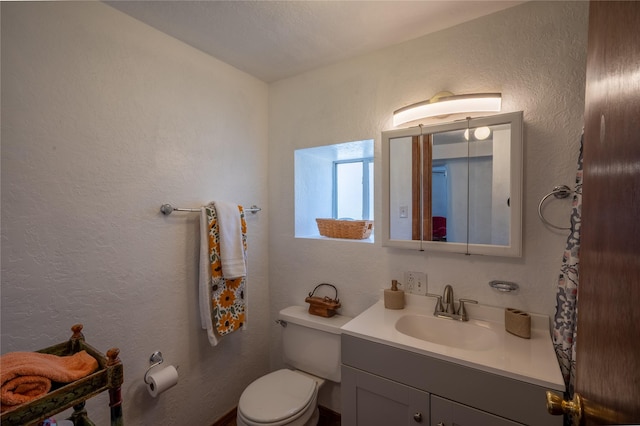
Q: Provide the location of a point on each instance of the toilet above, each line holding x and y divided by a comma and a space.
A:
311, 347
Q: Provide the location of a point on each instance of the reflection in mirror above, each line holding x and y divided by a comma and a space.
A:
455, 187
401, 197
449, 194
489, 185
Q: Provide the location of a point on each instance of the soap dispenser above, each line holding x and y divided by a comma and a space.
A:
394, 298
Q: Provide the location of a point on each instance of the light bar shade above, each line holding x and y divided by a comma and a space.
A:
455, 104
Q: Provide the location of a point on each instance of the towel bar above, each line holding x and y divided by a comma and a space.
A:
561, 191
167, 209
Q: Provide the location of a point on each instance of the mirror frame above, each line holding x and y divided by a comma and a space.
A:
514, 248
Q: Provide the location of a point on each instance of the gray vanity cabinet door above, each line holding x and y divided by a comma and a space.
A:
369, 400
449, 413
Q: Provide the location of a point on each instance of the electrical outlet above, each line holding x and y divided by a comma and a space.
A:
415, 283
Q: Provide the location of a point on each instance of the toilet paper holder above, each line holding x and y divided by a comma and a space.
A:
155, 359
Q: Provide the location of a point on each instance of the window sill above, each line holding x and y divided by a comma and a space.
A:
369, 240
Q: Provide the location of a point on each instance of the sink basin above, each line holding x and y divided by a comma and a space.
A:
447, 332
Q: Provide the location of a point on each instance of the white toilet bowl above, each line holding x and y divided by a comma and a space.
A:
310, 345
284, 397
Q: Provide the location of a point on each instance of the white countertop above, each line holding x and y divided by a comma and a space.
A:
530, 360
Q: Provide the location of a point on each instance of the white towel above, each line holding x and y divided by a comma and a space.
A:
232, 254
205, 280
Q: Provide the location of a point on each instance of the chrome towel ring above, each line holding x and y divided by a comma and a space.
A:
560, 191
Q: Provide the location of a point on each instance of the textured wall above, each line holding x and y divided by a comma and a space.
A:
103, 120
534, 54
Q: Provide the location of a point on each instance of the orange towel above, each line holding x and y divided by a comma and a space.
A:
25, 376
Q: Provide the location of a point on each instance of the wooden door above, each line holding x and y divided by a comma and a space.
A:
608, 342
421, 193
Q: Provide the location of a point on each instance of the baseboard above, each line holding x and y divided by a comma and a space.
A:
327, 417
228, 419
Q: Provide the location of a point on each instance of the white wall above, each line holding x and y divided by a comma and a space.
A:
534, 54
103, 120
314, 189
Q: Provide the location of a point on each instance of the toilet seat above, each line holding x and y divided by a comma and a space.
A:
278, 398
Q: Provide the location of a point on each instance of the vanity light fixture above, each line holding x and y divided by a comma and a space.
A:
480, 133
445, 103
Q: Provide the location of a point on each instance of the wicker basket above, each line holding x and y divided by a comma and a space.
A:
352, 229
323, 306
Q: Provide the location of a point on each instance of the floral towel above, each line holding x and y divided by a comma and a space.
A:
228, 296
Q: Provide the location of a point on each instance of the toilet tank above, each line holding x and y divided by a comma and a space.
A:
312, 343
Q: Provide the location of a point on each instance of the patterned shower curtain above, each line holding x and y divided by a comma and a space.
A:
565, 330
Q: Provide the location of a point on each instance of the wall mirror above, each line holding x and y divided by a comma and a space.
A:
454, 187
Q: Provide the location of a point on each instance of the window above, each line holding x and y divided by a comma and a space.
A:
333, 181
353, 189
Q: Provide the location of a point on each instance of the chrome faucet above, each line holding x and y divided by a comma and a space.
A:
447, 299
445, 305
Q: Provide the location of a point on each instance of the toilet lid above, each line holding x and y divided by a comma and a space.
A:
276, 396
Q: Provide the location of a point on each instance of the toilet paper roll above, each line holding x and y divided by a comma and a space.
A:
161, 380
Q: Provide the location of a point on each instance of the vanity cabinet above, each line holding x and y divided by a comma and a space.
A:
376, 401
445, 412
384, 385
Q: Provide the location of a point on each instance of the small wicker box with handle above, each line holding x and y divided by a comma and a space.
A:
323, 306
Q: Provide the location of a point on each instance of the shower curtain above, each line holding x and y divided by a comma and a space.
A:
565, 330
